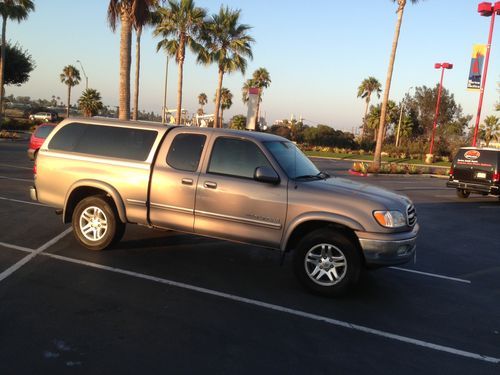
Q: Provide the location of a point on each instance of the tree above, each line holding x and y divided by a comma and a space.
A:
373, 118
70, 77
226, 101
227, 44
18, 65
181, 26
127, 12
381, 129
238, 122
90, 102
143, 16
260, 79
16, 10
491, 129
365, 90
202, 100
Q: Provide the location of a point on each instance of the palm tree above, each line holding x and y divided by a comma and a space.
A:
70, 77
491, 129
90, 102
245, 90
226, 101
365, 90
180, 27
380, 135
202, 100
144, 16
127, 12
227, 44
16, 10
260, 79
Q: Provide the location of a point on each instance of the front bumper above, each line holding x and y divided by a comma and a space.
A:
388, 249
477, 188
31, 153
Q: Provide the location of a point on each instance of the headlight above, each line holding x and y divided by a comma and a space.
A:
390, 219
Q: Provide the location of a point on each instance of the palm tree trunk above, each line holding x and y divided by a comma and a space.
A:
363, 130
217, 98
69, 101
137, 71
182, 54
380, 134
2, 67
125, 51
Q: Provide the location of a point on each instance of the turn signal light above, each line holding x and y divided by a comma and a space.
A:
496, 177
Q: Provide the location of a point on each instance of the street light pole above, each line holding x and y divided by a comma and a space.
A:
442, 66
85, 75
164, 108
487, 10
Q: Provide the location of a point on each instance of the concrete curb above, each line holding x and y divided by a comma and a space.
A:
384, 162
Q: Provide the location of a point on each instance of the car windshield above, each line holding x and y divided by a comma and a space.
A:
295, 164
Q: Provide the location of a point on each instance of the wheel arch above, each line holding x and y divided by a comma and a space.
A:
86, 188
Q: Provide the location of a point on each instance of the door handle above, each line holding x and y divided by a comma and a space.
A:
187, 181
210, 185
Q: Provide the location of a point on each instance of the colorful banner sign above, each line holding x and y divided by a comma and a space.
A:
476, 67
253, 101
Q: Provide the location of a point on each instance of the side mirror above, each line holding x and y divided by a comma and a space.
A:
266, 174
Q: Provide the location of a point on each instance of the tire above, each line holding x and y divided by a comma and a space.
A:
461, 193
96, 224
327, 262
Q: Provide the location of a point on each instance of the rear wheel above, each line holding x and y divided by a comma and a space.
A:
462, 193
96, 224
327, 262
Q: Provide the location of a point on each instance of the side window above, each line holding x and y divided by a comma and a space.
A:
67, 137
185, 151
236, 157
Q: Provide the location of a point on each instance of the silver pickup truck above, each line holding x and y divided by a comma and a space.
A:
240, 186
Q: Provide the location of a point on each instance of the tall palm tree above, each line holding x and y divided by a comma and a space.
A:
380, 135
90, 102
180, 27
202, 100
127, 12
227, 44
491, 129
260, 79
144, 16
16, 10
365, 90
70, 77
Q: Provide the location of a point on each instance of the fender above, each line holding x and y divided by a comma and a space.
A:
318, 216
120, 207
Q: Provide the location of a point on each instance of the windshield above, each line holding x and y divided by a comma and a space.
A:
292, 160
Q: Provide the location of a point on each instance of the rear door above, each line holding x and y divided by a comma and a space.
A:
475, 165
175, 176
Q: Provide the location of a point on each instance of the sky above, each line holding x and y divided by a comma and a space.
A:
317, 53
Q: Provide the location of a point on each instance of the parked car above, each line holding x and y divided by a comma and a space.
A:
44, 116
240, 186
37, 138
475, 170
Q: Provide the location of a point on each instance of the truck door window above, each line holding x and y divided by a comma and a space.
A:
185, 151
236, 157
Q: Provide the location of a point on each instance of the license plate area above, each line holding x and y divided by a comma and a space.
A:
481, 175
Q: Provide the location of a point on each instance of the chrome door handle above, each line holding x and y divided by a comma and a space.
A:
210, 185
187, 181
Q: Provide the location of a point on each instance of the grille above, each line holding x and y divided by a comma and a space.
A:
411, 215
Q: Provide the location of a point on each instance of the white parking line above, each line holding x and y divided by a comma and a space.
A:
15, 247
431, 275
15, 166
9, 271
16, 179
493, 207
286, 310
25, 202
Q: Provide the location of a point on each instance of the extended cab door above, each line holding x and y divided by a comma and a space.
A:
175, 176
230, 203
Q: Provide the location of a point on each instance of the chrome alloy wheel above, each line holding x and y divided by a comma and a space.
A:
325, 264
93, 223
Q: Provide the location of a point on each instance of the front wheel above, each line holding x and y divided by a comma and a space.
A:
462, 193
96, 224
327, 262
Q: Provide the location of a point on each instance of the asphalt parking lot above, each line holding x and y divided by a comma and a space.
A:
174, 303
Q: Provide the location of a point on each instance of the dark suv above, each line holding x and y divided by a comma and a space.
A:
475, 170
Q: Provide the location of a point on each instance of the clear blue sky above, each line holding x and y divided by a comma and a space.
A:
316, 52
